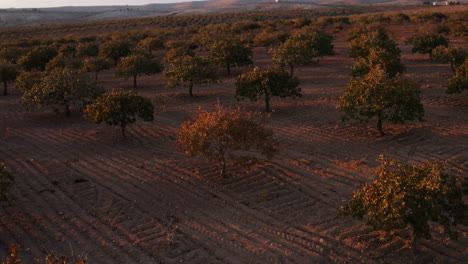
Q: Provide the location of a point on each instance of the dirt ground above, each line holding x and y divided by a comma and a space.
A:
83, 191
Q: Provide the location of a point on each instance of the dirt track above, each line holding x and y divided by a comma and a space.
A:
83, 191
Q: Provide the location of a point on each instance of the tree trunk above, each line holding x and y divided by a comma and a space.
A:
67, 110
379, 126
191, 88
5, 91
452, 67
97, 72
228, 67
122, 128
267, 100
134, 81
292, 70
223, 169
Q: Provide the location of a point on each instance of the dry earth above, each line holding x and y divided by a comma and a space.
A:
83, 191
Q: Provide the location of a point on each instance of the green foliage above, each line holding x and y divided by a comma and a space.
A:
62, 88
424, 42
150, 44
302, 47
273, 81
6, 182
460, 81
363, 38
114, 49
11, 54
26, 80
190, 70
84, 50
269, 38
37, 58
120, 109
62, 61
230, 53
388, 61
8, 72
376, 95
136, 65
96, 65
452, 55
226, 135
407, 194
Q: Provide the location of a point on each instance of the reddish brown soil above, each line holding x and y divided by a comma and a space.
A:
83, 191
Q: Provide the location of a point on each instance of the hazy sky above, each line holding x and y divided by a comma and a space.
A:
56, 3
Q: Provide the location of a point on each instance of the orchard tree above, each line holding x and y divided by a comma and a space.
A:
96, 65
452, 55
150, 44
84, 50
11, 54
302, 47
406, 194
120, 108
390, 63
273, 81
270, 38
226, 135
62, 88
37, 58
190, 70
62, 61
363, 38
137, 65
6, 182
26, 80
230, 53
114, 49
460, 81
8, 73
424, 42
376, 95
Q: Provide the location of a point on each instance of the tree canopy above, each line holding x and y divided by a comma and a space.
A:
390, 63
363, 38
377, 95
37, 58
460, 81
96, 65
424, 42
190, 70
114, 49
62, 88
454, 56
226, 135
230, 53
273, 81
120, 108
8, 72
406, 194
136, 65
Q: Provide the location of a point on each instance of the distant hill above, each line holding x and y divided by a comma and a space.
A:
15, 17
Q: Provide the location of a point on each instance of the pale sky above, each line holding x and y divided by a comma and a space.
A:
57, 3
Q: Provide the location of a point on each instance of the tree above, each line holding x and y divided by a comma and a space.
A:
96, 65
406, 194
424, 42
136, 65
270, 38
6, 182
230, 53
273, 81
84, 50
62, 61
120, 109
377, 56
376, 95
11, 54
62, 88
452, 55
190, 70
226, 134
363, 38
37, 58
302, 47
114, 49
150, 44
460, 81
8, 72
26, 80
